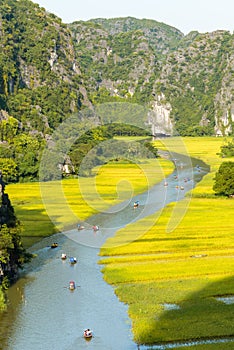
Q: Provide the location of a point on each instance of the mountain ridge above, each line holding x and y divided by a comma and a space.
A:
50, 70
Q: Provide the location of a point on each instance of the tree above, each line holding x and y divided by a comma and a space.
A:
227, 150
8, 168
224, 179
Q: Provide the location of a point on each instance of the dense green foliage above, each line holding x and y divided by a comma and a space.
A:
160, 36
227, 150
122, 60
20, 155
31, 86
116, 59
224, 179
12, 253
96, 147
50, 71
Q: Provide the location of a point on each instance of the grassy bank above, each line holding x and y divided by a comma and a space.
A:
44, 209
171, 281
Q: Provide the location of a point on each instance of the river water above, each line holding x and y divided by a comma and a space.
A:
44, 314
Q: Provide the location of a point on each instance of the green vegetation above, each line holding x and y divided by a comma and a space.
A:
31, 91
171, 280
82, 197
12, 253
126, 59
50, 71
224, 179
227, 150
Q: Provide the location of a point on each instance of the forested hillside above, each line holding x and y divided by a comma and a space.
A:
50, 70
188, 79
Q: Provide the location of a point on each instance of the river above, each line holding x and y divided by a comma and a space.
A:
44, 314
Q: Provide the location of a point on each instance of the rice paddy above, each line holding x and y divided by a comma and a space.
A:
189, 267
50, 207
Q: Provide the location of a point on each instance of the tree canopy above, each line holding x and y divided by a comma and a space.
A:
224, 179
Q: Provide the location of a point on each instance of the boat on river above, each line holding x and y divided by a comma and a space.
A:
54, 245
136, 204
80, 227
72, 285
64, 256
72, 260
95, 228
88, 334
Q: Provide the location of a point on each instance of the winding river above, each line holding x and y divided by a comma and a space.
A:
44, 314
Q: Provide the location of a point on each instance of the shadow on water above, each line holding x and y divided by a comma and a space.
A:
200, 313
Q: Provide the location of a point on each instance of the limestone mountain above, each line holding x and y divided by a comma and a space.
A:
49, 70
185, 81
40, 79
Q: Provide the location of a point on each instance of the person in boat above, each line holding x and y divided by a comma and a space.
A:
73, 260
80, 227
136, 204
87, 333
95, 228
54, 245
72, 285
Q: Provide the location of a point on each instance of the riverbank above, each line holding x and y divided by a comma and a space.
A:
171, 280
92, 304
84, 196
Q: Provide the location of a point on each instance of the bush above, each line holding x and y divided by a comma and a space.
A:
224, 179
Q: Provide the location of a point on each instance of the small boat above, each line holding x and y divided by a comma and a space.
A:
95, 228
165, 184
136, 204
72, 260
72, 285
54, 245
88, 333
64, 256
80, 227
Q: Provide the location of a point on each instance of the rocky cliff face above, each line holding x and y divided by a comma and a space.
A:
159, 117
127, 61
40, 78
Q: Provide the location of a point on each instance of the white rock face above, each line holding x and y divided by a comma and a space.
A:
159, 117
53, 58
223, 126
